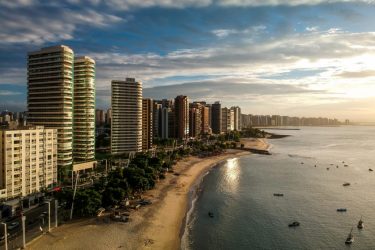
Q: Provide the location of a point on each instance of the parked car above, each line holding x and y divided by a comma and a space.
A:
13, 225
2, 237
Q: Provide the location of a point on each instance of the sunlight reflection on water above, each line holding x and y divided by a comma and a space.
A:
232, 174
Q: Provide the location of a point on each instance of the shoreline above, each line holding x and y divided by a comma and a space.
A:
167, 214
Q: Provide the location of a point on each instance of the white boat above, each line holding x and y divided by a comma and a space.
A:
360, 224
350, 238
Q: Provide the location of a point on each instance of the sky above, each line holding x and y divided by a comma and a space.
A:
299, 57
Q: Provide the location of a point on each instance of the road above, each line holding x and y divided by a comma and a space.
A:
36, 219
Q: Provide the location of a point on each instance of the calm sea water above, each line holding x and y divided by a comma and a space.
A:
247, 216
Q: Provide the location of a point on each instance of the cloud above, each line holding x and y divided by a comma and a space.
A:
9, 93
221, 33
135, 4
312, 29
357, 74
38, 24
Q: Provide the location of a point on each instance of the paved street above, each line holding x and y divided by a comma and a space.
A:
36, 219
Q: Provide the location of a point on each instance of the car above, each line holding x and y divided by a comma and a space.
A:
13, 225
2, 237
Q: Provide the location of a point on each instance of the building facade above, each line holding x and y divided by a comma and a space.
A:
99, 117
126, 127
237, 118
50, 96
195, 119
28, 160
147, 124
216, 118
156, 123
181, 117
84, 110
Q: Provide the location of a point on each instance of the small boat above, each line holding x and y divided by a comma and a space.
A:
211, 214
315, 166
278, 194
302, 163
360, 224
346, 165
350, 238
370, 170
294, 224
341, 210
337, 166
327, 168
346, 184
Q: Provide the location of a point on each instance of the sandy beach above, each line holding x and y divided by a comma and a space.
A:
156, 226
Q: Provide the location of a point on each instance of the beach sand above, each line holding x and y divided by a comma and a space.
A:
156, 226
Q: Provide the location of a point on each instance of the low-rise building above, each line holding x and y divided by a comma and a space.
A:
28, 160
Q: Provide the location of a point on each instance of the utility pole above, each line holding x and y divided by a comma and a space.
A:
56, 212
49, 215
23, 232
74, 195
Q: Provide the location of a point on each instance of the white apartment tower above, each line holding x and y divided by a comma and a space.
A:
126, 125
84, 110
28, 160
50, 96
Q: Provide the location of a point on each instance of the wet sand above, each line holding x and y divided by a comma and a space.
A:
156, 226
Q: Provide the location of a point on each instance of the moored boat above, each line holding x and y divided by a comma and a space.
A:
350, 238
341, 210
360, 224
294, 224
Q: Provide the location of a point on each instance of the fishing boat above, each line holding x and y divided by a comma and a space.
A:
341, 210
360, 224
294, 224
350, 238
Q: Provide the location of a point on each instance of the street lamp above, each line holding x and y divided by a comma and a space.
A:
5, 236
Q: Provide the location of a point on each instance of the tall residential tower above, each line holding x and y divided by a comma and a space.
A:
84, 110
50, 96
126, 134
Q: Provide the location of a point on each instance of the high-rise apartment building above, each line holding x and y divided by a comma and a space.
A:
216, 118
84, 110
147, 120
195, 119
28, 160
181, 117
126, 127
50, 96
166, 114
108, 117
227, 120
156, 123
205, 110
237, 118
99, 117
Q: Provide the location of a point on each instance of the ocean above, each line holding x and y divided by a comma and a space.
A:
239, 193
